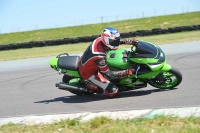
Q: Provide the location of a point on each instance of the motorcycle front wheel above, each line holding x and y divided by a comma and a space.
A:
172, 78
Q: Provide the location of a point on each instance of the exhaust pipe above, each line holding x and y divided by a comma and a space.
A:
68, 87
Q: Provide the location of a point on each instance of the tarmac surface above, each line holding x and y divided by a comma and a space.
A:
28, 88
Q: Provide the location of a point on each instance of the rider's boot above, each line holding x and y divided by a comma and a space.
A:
94, 88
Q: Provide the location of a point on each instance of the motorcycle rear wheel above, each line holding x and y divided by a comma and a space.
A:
173, 78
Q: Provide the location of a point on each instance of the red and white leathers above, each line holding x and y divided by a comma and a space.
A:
93, 67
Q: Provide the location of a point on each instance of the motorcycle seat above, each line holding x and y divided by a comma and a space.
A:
68, 62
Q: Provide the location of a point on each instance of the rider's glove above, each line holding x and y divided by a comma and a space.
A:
131, 42
130, 71
126, 73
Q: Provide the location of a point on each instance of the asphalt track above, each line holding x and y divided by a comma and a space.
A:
27, 87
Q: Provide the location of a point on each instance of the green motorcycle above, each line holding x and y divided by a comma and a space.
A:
148, 59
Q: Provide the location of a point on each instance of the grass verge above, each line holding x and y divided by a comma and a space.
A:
80, 47
161, 124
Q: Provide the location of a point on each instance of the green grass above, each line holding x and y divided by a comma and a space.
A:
80, 47
159, 124
95, 29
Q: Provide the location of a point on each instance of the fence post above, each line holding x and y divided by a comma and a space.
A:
101, 19
130, 15
36, 27
182, 9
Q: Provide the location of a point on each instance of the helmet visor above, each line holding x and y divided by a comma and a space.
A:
114, 42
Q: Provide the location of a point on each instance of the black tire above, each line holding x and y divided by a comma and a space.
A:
178, 74
178, 79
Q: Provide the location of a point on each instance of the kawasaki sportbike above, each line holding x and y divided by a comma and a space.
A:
148, 59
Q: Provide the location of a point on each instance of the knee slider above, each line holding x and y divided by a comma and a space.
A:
111, 90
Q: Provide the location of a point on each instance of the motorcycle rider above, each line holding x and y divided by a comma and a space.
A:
93, 66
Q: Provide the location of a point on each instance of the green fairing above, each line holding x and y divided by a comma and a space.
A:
74, 81
117, 63
166, 68
150, 60
53, 63
72, 73
128, 80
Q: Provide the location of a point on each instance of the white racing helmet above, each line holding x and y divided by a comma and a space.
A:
110, 38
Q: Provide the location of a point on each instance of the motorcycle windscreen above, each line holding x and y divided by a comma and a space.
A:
145, 50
